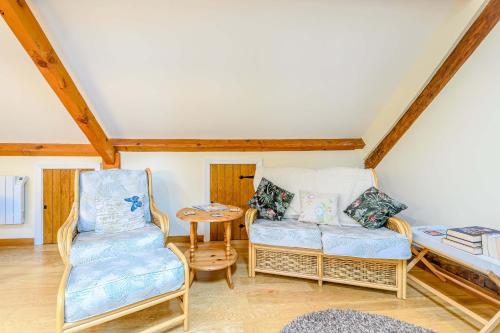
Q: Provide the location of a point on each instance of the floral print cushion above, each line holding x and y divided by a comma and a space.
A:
319, 208
372, 208
270, 200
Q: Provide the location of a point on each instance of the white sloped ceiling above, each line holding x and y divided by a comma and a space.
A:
219, 69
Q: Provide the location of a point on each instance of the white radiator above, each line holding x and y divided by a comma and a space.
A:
12, 192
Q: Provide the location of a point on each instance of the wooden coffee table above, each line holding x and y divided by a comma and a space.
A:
210, 256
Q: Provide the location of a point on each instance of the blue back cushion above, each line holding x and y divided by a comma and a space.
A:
114, 183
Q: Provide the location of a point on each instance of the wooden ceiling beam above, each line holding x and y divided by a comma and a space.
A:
479, 29
46, 149
201, 145
28, 31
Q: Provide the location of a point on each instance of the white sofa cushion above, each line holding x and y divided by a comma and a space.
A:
289, 233
349, 183
364, 243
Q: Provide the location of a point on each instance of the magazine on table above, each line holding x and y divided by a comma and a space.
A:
211, 207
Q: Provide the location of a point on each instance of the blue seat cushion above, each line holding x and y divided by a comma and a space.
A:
287, 232
90, 246
360, 242
105, 285
114, 183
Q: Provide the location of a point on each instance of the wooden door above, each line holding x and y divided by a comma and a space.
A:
58, 195
231, 184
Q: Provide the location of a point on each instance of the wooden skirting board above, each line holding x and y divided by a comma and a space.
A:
17, 241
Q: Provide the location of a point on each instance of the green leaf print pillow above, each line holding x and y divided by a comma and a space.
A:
372, 208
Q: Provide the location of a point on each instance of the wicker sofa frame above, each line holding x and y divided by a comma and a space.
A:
315, 265
65, 235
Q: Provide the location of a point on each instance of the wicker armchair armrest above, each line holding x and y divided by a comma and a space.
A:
160, 219
181, 256
250, 217
67, 233
401, 226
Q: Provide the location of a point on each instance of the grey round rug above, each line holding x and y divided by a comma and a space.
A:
340, 321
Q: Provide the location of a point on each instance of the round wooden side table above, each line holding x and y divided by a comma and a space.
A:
209, 256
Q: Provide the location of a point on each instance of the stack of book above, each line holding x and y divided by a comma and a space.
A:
491, 245
473, 239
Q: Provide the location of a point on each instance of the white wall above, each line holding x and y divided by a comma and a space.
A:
179, 178
446, 167
29, 166
435, 51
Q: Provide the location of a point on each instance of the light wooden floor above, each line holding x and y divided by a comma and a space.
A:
29, 278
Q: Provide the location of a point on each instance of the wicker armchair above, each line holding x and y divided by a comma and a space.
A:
67, 235
386, 274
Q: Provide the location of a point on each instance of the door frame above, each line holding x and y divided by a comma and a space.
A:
38, 190
205, 227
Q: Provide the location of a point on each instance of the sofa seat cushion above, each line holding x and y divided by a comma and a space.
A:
91, 246
364, 243
287, 232
103, 286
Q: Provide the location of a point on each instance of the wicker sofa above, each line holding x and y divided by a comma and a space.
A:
348, 254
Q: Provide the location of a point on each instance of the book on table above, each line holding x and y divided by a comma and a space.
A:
464, 242
471, 234
491, 245
460, 246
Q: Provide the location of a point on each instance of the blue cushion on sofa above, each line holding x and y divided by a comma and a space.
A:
91, 246
287, 232
105, 285
364, 243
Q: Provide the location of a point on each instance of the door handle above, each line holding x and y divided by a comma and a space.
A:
250, 177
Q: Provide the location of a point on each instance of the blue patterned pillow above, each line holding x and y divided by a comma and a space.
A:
119, 214
373, 207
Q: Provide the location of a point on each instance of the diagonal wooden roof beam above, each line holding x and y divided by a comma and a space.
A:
483, 24
23, 23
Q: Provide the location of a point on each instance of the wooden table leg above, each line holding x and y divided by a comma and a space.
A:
492, 324
191, 276
427, 264
193, 237
227, 237
227, 241
229, 277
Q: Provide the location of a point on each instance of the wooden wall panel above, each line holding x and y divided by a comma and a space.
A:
58, 196
47, 202
226, 187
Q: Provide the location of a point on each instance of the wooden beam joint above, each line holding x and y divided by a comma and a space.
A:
28, 31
